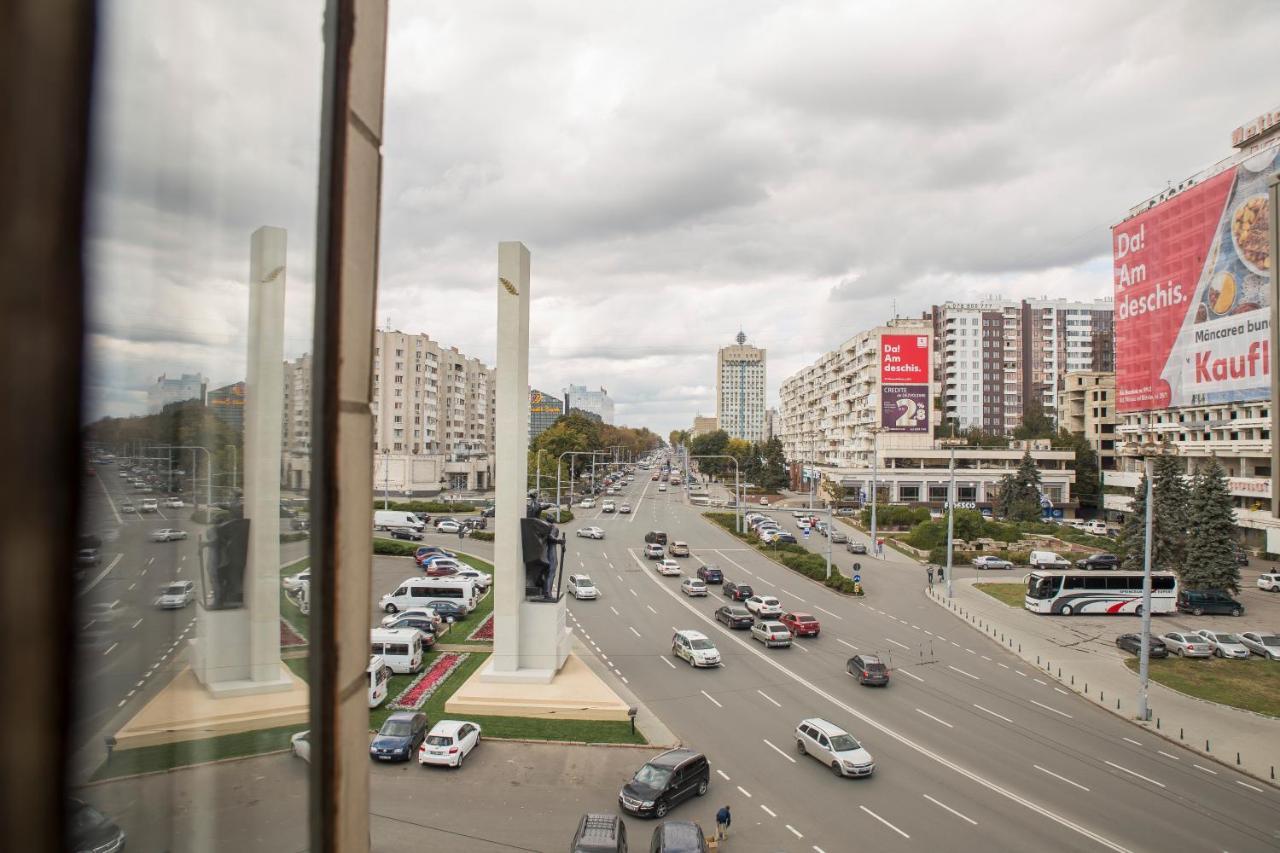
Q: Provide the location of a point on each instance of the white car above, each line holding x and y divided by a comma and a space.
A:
591, 532
581, 587
167, 534
449, 743
668, 566
173, 503
1269, 581
1226, 644
128, 506
176, 595
1188, 645
420, 612
662, 487
301, 745
150, 505
694, 647
834, 747
483, 580
625, 508
293, 583
588, 503
693, 586
764, 605
1264, 643
771, 633
448, 527
609, 506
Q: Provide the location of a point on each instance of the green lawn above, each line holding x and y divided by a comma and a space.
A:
167, 756
1012, 594
1253, 684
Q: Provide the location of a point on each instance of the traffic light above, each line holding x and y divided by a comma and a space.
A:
542, 551
223, 558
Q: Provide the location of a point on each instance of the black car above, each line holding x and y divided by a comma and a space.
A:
664, 782
710, 574
1198, 602
678, 836
655, 537
600, 833
476, 523
90, 830
737, 591
406, 534
488, 512
735, 616
399, 737
421, 623
1099, 561
783, 538
1133, 643
1242, 556
868, 669
449, 611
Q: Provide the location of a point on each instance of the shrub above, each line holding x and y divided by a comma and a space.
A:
394, 548
296, 536
202, 516
565, 515
482, 535
895, 516
430, 507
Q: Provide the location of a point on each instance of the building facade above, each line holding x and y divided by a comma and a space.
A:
227, 405
740, 390
597, 403
703, 425
295, 437
544, 409
770, 423
166, 391
1087, 407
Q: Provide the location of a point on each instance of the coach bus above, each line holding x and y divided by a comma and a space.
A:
1098, 592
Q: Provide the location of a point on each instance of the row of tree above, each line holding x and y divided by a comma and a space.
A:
759, 462
578, 432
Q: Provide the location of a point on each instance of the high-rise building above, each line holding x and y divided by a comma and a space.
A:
544, 410
702, 425
1087, 407
597, 403
740, 386
993, 357
227, 405
295, 432
165, 391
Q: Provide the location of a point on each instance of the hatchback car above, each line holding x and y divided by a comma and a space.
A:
668, 567
88, 829
693, 586
1269, 581
735, 616
990, 561
764, 605
868, 669
772, 634
694, 647
426, 625
1198, 602
654, 551
419, 612
399, 737
678, 549
737, 591
591, 532
857, 548
1263, 643
599, 833
1133, 643
665, 781
449, 743
1187, 645
1226, 644
582, 588
834, 747
801, 624
678, 836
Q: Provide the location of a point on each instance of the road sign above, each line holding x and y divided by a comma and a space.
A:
857, 578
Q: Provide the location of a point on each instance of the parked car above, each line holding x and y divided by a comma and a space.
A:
1133, 643
301, 745
665, 781
990, 561
447, 526
801, 624
1187, 645
300, 524
678, 836
710, 574
771, 633
1242, 556
582, 588
1048, 560
764, 605
482, 580
417, 612
591, 532
678, 549
176, 595
449, 611
1226, 644
783, 538
1198, 602
693, 587
90, 831
173, 503
406, 533
695, 647
654, 551
1263, 643
588, 503
293, 583
737, 591
734, 616
1099, 561
426, 552
449, 743
668, 566
600, 833
1269, 581
857, 548
834, 747
400, 736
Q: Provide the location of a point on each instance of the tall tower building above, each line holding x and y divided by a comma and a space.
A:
740, 376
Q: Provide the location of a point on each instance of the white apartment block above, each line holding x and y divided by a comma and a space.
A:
295, 438
597, 403
740, 388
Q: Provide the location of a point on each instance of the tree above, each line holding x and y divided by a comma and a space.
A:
773, 466
1211, 560
1035, 423
678, 437
1169, 520
834, 490
1019, 496
711, 444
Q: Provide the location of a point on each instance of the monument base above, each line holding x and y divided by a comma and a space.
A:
573, 693
186, 710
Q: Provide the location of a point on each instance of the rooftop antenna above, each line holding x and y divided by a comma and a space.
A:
741, 338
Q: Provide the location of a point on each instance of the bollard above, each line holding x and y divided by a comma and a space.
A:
1019, 648
1273, 771
1059, 672
1037, 660
1180, 733
1073, 680
1157, 724
1102, 695
1206, 745
1086, 688
1117, 704
1237, 759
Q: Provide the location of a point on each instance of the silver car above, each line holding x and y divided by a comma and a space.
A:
1188, 645
771, 634
1226, 645
1262, 643
834, 747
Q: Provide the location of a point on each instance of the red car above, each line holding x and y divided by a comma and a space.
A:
801, 624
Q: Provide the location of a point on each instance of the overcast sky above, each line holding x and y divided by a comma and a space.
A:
678, 171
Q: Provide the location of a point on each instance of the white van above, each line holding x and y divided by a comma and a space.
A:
400, 648
1096, 527
1047, 560
385, 519
421, 591
377, 677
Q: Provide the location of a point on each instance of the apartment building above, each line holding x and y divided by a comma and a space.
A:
295, 432
703, 425
994, 356
1086, 407
165, 391
597, 403
740, 388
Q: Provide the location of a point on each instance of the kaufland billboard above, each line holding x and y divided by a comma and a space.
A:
1192, 294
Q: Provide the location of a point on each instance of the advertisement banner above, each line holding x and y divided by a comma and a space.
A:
904, 408
904, 359
1192, 294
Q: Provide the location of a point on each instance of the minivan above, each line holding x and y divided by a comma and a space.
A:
400, 648
1198, 602
600, 833
423, 591
1047, 560
655, 537
664, 782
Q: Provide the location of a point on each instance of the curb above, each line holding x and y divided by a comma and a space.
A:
147, 773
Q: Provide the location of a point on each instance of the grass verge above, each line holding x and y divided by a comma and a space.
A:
796, 557
1253, 684
1012, 594
168, 756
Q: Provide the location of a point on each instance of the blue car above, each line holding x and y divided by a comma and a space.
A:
426, 552
399, 737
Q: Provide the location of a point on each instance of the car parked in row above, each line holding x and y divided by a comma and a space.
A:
710, 574
407, 534
990, 561
449, 743
424, 613
624, 509
1263, 643
1226, 645
665, 781
801, 624
667, 566
764, 605
1133, 643
736, 591
772, 634
400, 736
1270, 581
1187, 645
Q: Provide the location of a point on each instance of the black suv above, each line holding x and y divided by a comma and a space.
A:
678, 836
1198, 602
655, 537
710, 574
664, 782
735, 616
737, 591
1133, 643
1099, 561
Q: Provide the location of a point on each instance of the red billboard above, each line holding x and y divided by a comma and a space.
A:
1192, 294
904, 359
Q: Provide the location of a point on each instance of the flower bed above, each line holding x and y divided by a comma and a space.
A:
420, 689
289, 637
484, 631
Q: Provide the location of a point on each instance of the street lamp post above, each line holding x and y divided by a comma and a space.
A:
208, 480
571, 454
875, 463
1144, 656
951, 520
386, 475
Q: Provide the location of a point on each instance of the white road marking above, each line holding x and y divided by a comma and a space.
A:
779, 751
1054, 710
1060, 690
885, 822
121, 705
651, 610
110, 649
1205, 769
711, 698
723, 775
605, 658
667, 662
962, 672
611, 607
136, 624
1020, 672
1250, 787
1038, 681
896, 643
150, 560
102, 574
992, 713
585, 634
792, 594
794, 831
1134, 773
948, 808
776, 704
984, 657
828, 612
917, 627
850, 645
179, 569
935, 719
817, 849
634, 631
768, 810
1167, 755
927, 631
183, 557
954, 643
132, 586
1062, 778
799, 646
623, 677
911, 675
1005, 665
745, 792
1132, 741
943, 639
633, 592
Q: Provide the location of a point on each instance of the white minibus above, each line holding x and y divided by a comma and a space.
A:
421, 591
400, 648
376, 676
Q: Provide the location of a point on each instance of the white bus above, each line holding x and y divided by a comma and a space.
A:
399, 648
1094, 592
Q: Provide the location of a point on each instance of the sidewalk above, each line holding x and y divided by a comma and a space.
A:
1095, 669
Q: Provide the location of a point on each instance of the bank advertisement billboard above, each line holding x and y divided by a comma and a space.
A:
904, 359
1192, 294
904, 408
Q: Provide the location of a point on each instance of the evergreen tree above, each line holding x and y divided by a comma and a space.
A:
1023, 501
773, 473
1171, 498
1088, 477
1003, 496
1133, 531
1211, 560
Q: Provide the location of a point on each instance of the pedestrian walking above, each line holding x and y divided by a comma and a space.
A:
462, 531
941, 575
931, 577
723, 819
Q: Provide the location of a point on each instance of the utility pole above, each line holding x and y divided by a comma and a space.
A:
875, 462
1144, 656
951, 520
386, 475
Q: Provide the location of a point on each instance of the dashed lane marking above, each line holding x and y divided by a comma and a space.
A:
667, 662
885, 822
962, 672
910, 675
1054, 710
953, 811
711, 698
935, 719
776, 704
992, 713
1134, 773
1061, 778
770, 812
770, 744
896, 643
744, 792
